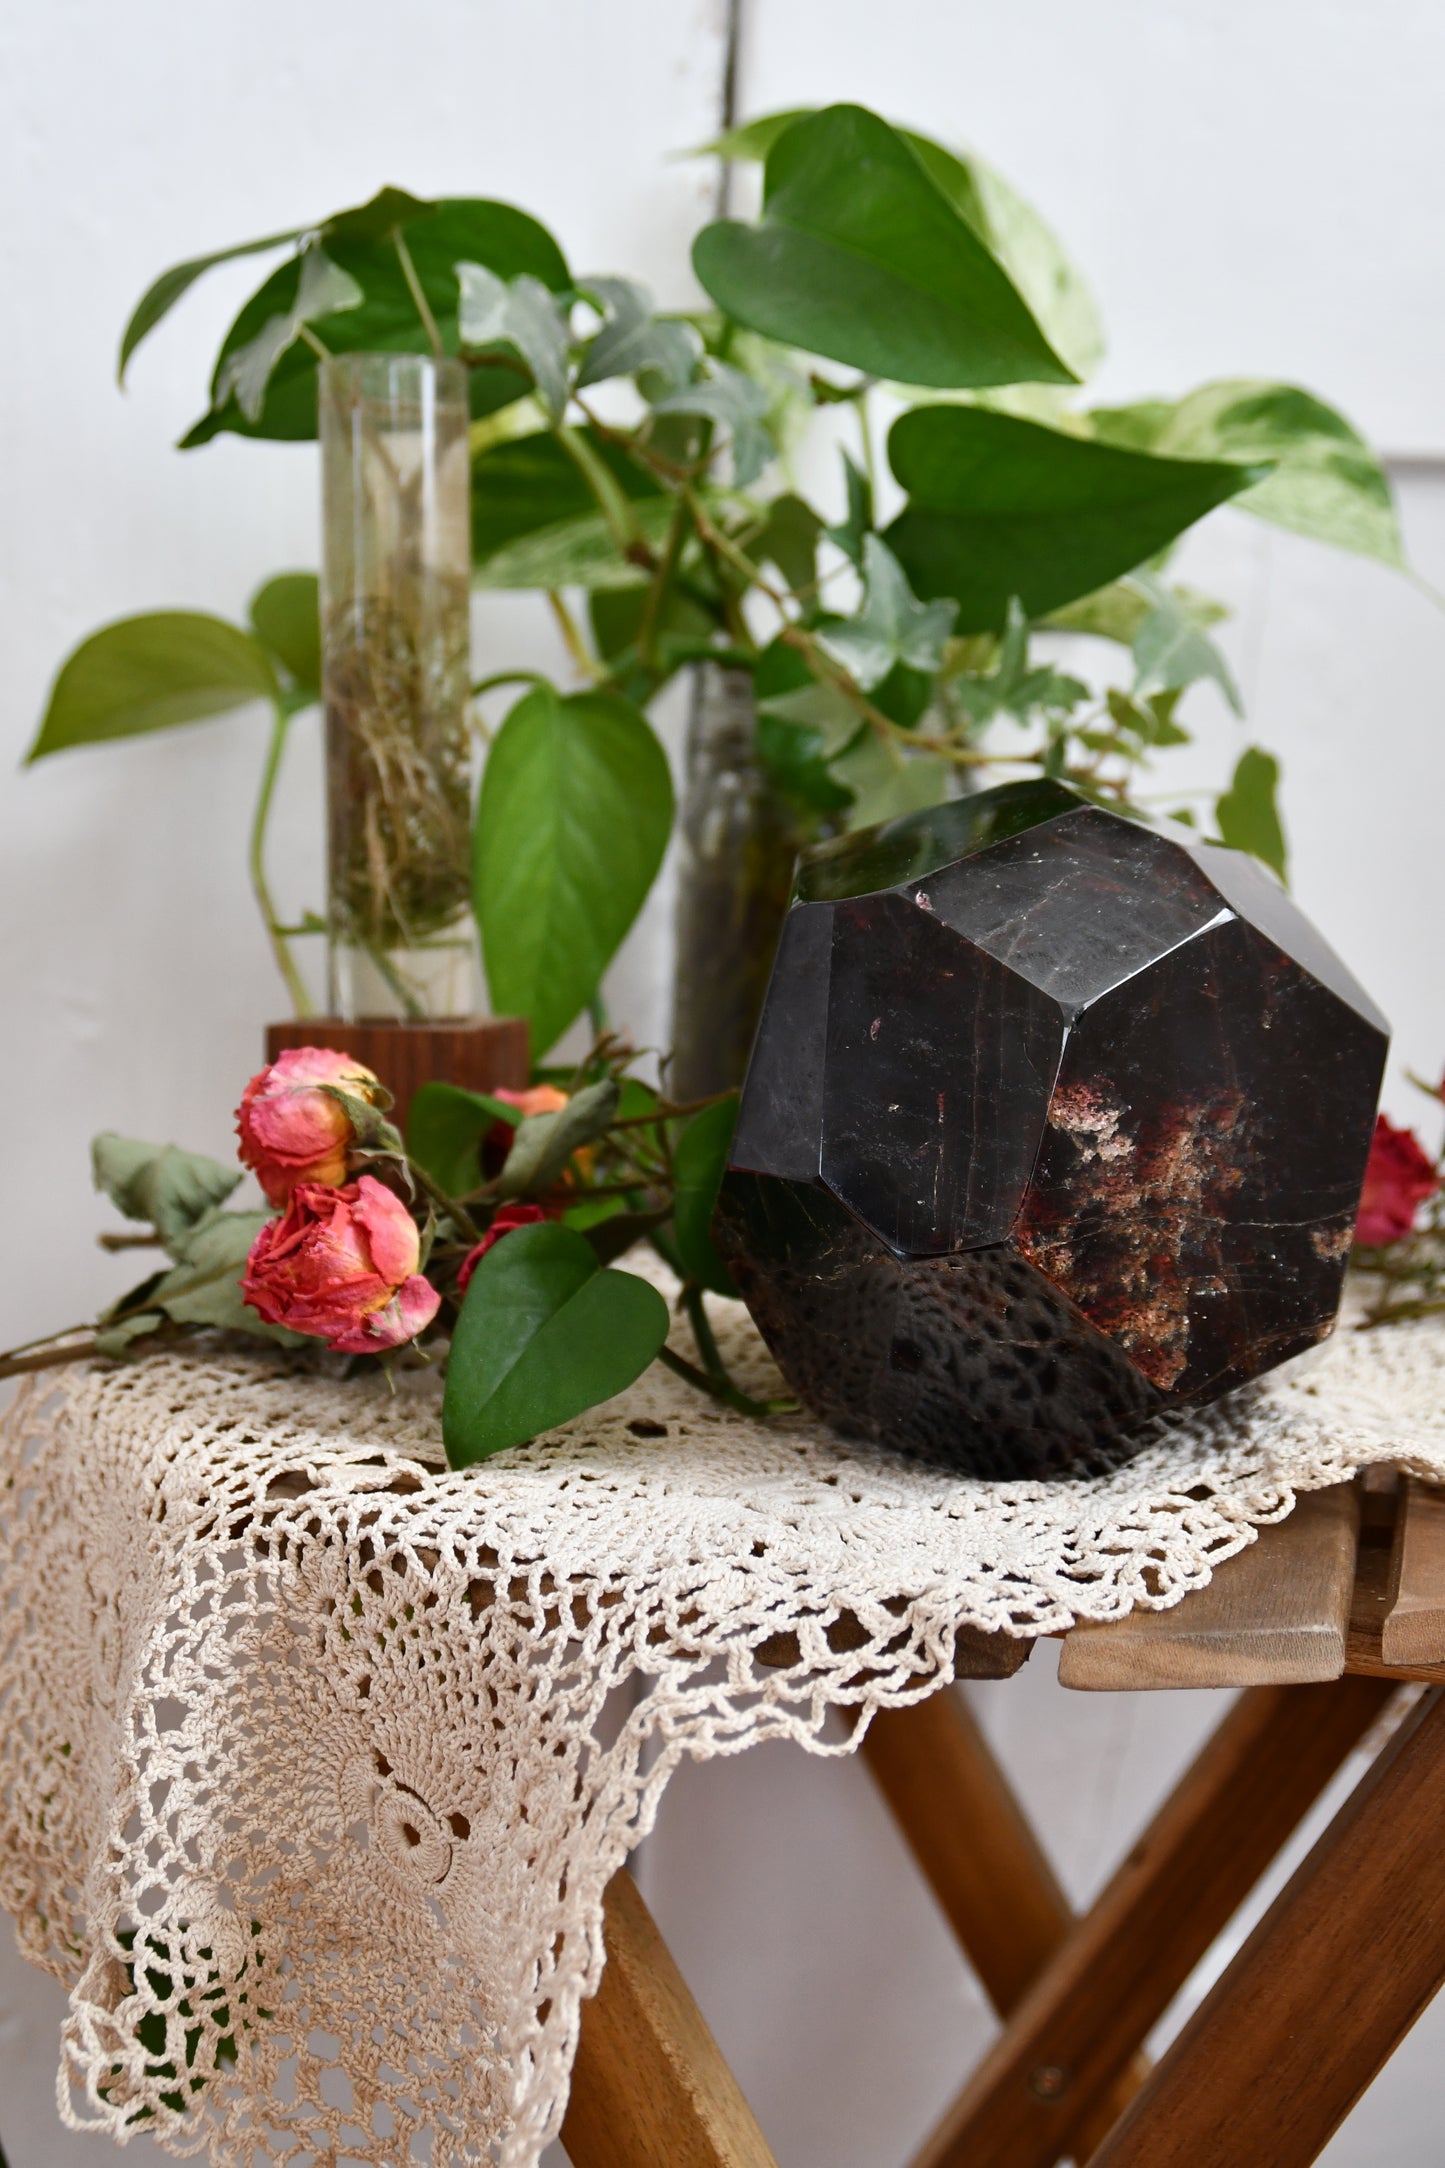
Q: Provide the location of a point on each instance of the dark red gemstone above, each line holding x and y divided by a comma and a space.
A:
1055, 1120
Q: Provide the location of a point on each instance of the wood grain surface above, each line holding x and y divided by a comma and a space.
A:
1323, 1991
1275, 1614
477, 1052
1414, 1625
1073, 2035
650, 2088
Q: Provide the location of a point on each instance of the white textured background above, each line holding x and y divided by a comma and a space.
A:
1254, 190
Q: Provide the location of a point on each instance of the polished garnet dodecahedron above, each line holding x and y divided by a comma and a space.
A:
1055, 1120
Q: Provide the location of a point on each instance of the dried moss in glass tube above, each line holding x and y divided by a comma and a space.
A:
395, 590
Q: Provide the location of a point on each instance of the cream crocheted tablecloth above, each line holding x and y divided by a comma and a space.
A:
315, 1758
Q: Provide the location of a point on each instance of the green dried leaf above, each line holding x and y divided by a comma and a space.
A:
169, 1189
545, 1142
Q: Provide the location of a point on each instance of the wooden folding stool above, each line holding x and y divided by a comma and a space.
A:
1321, 1622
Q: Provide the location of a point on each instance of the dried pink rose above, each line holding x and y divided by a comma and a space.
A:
341, 1266
292, 1130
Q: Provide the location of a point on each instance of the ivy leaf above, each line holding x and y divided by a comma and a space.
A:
572, 822
545, 1142
789, 540
699, 1164
286, 617
633, 340
886, 782
1151, 721
725, 395
999, 507
860, 256
1171, 650
445, 1125
517, 312
1247, 815
893, 626
322, 289
167, 1188
796, 760
544, 1334
152, 673
851, 532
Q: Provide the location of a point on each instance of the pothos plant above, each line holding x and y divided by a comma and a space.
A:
640, 467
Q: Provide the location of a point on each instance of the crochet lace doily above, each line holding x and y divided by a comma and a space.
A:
316, 1758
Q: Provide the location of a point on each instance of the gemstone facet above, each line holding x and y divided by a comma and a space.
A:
1055, 1120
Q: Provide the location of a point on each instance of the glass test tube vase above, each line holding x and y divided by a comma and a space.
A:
395, 593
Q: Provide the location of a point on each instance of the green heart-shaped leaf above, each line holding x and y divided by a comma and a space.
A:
359, 244
998, 507
445, 1126
861, 256
544, 1334
572, 822
151, 673
286, 615
699, 1164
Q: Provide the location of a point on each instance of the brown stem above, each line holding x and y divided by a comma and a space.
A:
14, 1366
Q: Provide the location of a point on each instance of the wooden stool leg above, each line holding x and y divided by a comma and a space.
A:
1324, 1990
1084, 2018
971, 1839
650, 2088
979, 1855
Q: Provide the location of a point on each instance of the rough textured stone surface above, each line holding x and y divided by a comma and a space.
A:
1055, 1120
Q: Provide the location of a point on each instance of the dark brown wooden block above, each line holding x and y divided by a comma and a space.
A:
477, 1052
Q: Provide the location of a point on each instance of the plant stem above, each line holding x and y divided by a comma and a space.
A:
612, 500
723, 1389
572, 638
870, 464
414, 287
280, 947
111, 1241
456, 1213
14, 1366
666, 567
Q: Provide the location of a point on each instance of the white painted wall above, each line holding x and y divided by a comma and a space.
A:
1254, 188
